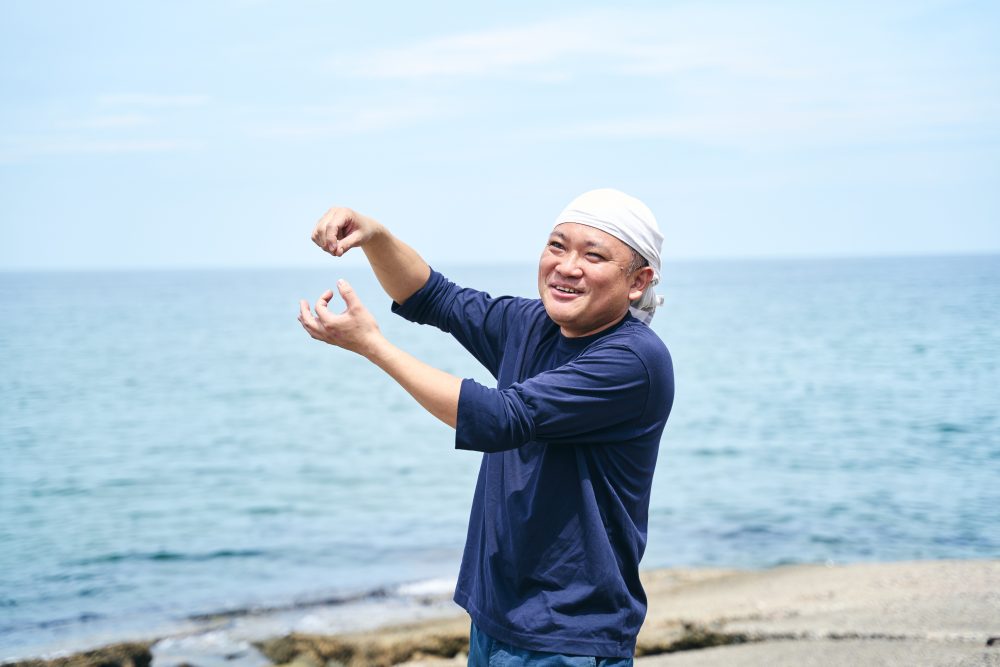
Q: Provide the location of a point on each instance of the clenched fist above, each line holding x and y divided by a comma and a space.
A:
341, 229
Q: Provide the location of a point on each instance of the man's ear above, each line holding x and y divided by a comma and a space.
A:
641, 279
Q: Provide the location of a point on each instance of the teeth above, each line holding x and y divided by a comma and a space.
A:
567, 290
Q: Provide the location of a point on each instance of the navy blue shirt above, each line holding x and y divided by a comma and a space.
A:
570, 437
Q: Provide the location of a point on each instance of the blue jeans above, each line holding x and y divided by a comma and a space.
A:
484, 651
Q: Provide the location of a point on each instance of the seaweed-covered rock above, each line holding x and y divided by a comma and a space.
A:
378, 648
126, 654
671, 637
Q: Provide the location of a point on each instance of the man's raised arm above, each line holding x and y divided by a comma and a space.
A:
398, 267
401, 271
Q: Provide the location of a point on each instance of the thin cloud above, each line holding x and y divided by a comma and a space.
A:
152, 101
762, 123
110, 122
324, 121
737, 75
623, 42
483, 52
18, 148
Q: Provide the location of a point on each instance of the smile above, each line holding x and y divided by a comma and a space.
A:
565, 290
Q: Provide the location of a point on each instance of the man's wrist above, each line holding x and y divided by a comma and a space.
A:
379, 232
377, 350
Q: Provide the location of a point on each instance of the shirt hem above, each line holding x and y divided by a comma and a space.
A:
545, 642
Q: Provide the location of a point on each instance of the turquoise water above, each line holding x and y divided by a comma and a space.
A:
173, 444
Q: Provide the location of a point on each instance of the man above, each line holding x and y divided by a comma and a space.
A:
550, 572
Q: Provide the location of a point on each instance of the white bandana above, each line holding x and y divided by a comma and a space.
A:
631, 222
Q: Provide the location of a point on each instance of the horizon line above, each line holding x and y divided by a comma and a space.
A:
465, 263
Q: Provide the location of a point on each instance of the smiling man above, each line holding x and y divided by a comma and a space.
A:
550, 572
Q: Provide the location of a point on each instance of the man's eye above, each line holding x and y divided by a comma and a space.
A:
556, 245
595, 257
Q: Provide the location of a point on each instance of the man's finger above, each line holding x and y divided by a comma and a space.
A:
348, 294
319, 231
325, 318
306, 316
330, 243
334, 228
309, 330
307, 320
348, 242
323, 302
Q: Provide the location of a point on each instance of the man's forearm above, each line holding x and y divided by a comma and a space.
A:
434, 389
399, 268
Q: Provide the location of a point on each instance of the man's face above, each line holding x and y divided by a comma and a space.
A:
583, 279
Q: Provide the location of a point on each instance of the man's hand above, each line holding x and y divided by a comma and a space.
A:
354, 329
341, 229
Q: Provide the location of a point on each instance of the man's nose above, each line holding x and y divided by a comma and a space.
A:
569, 265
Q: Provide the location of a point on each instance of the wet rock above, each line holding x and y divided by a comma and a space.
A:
126, 654
673, 637
381, 648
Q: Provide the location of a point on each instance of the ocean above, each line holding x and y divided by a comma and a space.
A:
178, 457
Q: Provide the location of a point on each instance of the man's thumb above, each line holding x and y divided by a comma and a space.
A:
348, 242
347, 294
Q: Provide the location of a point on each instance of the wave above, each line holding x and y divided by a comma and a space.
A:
422, 590
429, 587
260, 610
52, 623
162, 555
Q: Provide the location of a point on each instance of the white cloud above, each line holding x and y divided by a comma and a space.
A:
737, 74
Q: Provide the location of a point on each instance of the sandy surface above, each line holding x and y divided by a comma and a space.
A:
913, 613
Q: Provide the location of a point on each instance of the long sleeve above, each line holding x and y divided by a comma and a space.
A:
475, 319
594, 399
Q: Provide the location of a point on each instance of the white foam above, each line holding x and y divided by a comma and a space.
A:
439, 586
215, 648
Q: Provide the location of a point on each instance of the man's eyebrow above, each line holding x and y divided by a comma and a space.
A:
590, 244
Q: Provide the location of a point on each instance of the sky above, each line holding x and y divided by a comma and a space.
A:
215, 133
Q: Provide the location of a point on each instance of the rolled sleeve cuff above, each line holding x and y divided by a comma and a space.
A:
490, 420
417, 307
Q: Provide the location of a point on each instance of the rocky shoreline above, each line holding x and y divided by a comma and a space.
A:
906, 613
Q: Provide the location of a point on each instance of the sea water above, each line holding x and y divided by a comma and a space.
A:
175, 448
